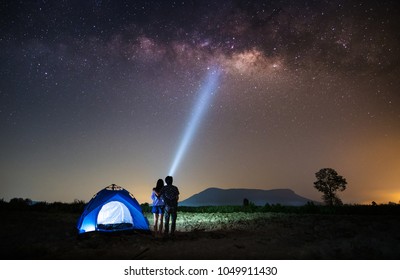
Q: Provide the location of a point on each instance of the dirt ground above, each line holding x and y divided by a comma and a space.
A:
46, 236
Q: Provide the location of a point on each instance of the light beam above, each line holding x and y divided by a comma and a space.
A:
200, 106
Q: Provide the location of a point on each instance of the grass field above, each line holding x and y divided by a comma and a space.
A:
51, 234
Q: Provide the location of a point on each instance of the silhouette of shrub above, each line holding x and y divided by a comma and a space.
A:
3, 204
310, 208
146, 208
20, 203
40, 206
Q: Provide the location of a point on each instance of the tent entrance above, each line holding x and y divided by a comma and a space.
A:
114, 216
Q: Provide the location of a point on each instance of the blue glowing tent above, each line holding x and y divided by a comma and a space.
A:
112, 209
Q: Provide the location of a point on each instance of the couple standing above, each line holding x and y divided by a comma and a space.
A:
165, 203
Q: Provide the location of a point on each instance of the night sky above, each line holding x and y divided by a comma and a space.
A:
100, 92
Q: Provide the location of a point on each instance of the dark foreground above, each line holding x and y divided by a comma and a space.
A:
44, 236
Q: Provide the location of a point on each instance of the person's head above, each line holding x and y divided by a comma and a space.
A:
159, 185
169, 180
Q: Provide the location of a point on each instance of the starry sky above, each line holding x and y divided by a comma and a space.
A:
100, 92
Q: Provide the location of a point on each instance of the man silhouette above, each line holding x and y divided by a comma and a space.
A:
170, 195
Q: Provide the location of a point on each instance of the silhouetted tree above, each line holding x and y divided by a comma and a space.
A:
245, 202
329, 182
20, 203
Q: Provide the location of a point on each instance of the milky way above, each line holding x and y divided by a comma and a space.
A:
99, 92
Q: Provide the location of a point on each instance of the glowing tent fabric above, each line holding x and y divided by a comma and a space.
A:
112, 209
114, 212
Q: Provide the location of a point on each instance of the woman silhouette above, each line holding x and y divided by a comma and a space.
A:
158, 207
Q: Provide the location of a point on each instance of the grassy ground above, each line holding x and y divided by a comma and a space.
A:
52, 235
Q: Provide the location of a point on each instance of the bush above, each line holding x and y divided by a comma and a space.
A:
19, 203
3, 204
146, 208
310, 208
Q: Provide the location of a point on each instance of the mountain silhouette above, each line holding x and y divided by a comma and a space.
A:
220, 197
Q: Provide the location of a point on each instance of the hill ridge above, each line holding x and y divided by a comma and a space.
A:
214, 196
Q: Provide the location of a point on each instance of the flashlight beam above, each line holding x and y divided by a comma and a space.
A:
206, 92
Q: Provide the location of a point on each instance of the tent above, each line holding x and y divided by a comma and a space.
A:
112, 209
